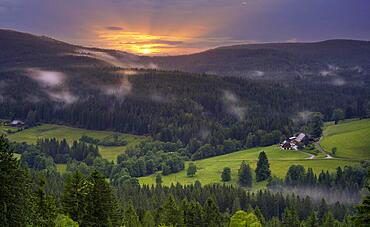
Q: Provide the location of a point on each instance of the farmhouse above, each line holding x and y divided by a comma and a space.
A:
16, 124
292, 142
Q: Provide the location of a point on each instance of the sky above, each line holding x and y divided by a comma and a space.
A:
173, 27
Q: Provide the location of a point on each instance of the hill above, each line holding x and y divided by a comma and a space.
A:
209, 170
47, 81
278, 61
350, 138
71, 134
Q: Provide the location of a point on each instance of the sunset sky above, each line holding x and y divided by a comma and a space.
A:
171, 27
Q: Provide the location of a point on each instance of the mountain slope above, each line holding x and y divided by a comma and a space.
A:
277, 59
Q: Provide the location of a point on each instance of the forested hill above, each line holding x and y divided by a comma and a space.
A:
26, 50
43, 80
276, 60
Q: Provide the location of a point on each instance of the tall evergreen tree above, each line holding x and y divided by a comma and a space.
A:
312, 221
290, 218
362, 217
148, 220
170, 213
44, 207
15, 191
226, 174
263, 171
74, 195
245, 175
99, 201
212, 215
130, 217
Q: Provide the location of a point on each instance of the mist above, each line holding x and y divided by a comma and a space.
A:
233, 105
317, 194
53, 84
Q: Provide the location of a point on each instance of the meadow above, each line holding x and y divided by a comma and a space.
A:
209, 170
60, 132
352, 139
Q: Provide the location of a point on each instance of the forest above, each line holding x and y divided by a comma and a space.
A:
46, 198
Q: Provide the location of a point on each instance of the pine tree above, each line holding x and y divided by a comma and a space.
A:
323, 209
99, 201
212, 214
170, 213
226, 174
148, 220
158, 179
290, 218
362, 217
44, 207
130, 217
263, 171
312, 221
74, 195
329, 220
245, 175
15, 191
193, 214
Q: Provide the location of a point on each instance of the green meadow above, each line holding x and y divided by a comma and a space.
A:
352, 139
59, 132
209, 170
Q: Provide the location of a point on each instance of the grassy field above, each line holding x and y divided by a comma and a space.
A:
352, 139
209, 170
59, 132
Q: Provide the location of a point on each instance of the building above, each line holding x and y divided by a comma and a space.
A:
17, 124
293, 142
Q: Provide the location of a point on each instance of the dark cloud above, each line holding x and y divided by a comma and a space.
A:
114, 28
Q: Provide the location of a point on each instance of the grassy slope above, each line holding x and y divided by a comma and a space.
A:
352, 139
58, 131
209, 170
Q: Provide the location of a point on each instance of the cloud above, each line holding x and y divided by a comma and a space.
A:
114, 28
119, 90
233, 105
338, 82
46, 78
53, 83
256, 73
332, 70
125, 61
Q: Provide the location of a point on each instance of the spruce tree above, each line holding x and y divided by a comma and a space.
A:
245, 175
362, 217
212, 215
263, 171
99, 200
193, 214
15, 190
170, 213
130, 217
44, 207
158, 179
148, 220
312, 221
226, 174
290, 218
74, 195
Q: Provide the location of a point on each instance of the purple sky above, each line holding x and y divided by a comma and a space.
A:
185, 26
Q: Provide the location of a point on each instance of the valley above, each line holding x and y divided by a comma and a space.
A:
209, 170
